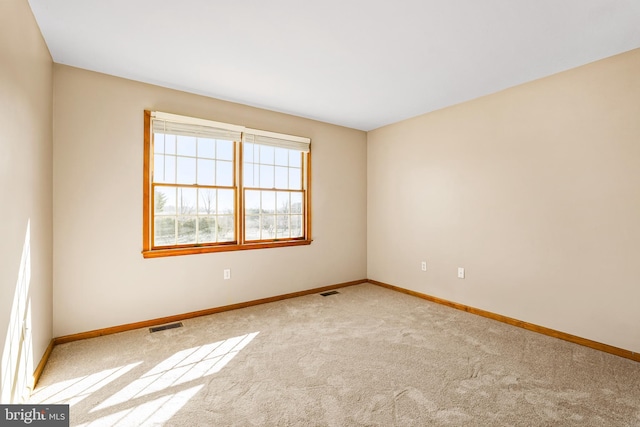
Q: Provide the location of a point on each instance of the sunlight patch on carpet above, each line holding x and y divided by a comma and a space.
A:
76, 389
152, 413
180, 368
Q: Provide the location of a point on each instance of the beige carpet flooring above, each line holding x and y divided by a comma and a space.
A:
367, 356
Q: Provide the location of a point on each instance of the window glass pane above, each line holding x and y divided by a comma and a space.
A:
170, 169
186, 145
295, 158
282, 177
266, 176
224, 173
296, 226
247, 152
267, 154
165, 200
252, 227
226, 232
164, 169
282, 202
281, 156
226, 202
268, 204
158, 168
186, 170
224, 150
165, 231
206, 229
206, 148
295, 179
165, 144
252, 202
186, 230
158, 143
268, 227
248, 176
296, 202
207, 201
206, 172
256, 175
187, 198
256, 153
282, 227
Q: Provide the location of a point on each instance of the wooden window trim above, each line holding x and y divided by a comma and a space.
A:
239, 218
159, 253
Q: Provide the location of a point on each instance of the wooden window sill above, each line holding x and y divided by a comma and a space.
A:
158, 253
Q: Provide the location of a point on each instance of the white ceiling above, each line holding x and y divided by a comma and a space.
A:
357, 63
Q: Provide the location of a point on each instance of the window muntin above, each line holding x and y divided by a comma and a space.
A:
215, 189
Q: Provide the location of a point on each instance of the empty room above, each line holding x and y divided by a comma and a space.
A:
320, 213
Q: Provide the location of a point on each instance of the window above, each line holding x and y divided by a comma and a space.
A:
211, 187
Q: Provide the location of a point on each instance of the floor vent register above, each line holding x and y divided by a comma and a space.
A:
165, 327
326, 294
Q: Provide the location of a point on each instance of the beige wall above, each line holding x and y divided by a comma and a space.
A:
25, 193
100, 277
534, 190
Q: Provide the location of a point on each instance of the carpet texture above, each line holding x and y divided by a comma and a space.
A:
367, 356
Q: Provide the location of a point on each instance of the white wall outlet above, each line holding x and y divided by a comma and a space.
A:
460, 273
227, 273
423, 266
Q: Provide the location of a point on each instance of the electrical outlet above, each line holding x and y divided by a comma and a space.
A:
460, 273
227, 273
424, 266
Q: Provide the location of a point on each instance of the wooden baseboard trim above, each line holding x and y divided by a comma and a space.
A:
191, 315
45, 357
627, 354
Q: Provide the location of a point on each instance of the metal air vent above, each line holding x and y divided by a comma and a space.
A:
164, 327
